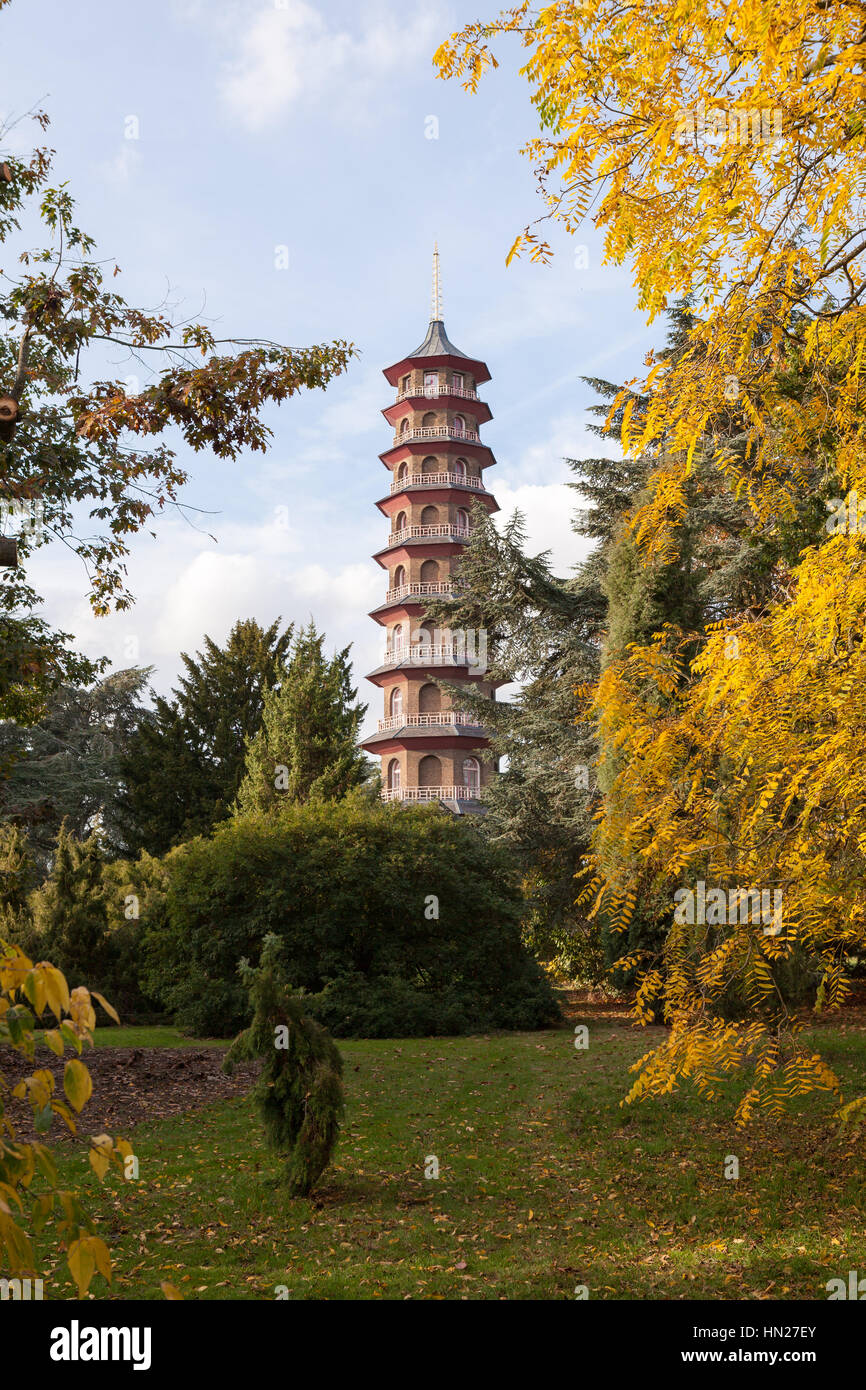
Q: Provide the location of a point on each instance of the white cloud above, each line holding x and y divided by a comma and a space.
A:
186, 587
547, 511
290, 52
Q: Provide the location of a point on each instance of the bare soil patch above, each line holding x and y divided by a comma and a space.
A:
131, 1084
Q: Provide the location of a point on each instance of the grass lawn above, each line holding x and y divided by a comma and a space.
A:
156, 1035
545, 1183
151, 1035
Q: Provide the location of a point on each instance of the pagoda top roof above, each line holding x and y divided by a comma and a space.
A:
437, 347
437, 343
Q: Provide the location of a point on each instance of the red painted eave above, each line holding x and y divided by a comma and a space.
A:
391, 504
479, 410
437, 446
387, 675
477, 370
425, 548
407, 740
398, 611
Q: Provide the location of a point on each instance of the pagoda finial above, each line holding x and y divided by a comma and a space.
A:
436, 298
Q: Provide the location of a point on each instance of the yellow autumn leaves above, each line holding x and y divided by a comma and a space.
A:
27, 990
719, 147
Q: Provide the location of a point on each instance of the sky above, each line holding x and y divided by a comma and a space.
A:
209, 142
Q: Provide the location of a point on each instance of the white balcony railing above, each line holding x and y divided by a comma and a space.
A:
421, 654
445, 586
445, 717
436, 480
432, 393
456, 533
430, 793
437, 432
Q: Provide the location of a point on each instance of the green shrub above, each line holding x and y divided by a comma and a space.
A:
395, 920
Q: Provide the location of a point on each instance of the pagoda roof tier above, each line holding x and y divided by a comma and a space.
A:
390, 671
437, 350
451, 400
422, 547
396, 611
437, 444
434, 492
455, 736
462, 675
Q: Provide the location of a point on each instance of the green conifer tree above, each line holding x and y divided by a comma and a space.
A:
299, 1091
306, 747
182, 769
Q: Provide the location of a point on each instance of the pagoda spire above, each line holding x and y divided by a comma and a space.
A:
436, 296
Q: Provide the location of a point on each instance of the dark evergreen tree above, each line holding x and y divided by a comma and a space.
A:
543, 633
307, 745
183, 767
299, 1091
67, 765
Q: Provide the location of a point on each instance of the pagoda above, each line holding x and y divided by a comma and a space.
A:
428, 745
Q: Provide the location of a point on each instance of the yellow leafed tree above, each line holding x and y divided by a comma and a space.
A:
720, 150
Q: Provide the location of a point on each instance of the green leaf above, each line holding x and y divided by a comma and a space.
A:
77, 1083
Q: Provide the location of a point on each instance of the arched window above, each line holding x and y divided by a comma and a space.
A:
423, 636
396, 702
397, 638
430, 771
429, 699
430, 465
460, 468
394, 775
404, 425
472, 775
399, 577
430, 516
402, 472
400, 521
429, 420
463, 518
429, 572
459, 424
